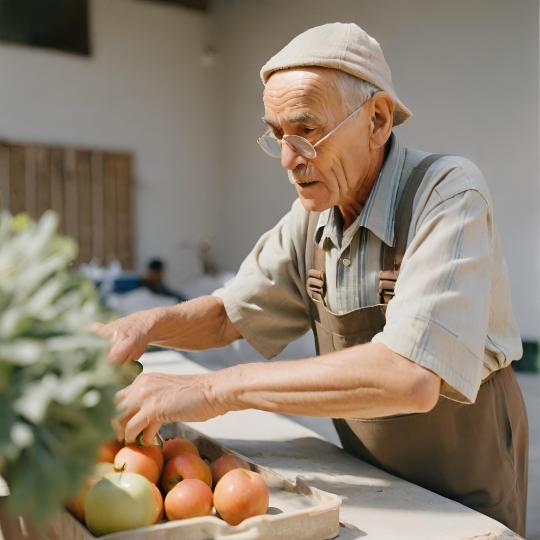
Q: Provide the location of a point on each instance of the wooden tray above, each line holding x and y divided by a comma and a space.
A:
296, 511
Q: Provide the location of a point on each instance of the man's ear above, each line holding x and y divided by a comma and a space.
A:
381, 122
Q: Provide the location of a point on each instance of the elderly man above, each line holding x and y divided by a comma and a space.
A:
390, 256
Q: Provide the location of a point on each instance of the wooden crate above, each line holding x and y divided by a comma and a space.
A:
296, 510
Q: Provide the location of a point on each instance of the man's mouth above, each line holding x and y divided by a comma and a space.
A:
300, 181
306, 182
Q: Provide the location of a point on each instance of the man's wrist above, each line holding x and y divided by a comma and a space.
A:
154, 318
222, 389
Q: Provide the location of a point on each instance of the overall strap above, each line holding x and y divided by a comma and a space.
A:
315, 262
392, 256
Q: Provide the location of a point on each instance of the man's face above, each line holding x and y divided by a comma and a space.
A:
154, 276
305, 102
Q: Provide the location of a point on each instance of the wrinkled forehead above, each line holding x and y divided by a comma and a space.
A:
309, 89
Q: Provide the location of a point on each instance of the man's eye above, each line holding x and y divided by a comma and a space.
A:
307, 130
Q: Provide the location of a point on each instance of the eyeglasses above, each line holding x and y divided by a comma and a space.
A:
272, 146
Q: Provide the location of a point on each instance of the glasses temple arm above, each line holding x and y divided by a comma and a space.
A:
337, 127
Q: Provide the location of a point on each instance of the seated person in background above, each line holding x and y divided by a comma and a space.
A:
153, 280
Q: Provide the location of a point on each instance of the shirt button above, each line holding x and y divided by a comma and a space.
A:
346, 262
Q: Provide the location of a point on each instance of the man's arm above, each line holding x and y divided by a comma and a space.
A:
197, 324
365, 381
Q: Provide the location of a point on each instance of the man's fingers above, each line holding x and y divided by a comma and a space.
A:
121, 352
120, 397
137, 423
119, 428
149, 433
97, 328
125, 410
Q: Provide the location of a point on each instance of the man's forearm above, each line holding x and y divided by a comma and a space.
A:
197, 324
365, 381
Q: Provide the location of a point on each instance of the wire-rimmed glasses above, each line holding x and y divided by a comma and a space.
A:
272, 146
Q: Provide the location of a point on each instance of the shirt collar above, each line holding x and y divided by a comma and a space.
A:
378, 212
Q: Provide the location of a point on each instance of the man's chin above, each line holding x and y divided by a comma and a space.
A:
313, 205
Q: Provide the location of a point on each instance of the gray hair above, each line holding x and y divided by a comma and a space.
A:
354, 91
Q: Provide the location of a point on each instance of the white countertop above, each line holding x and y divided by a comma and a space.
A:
375, 505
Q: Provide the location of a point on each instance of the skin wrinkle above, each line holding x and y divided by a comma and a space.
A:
314, 383
348, 163
298, 118
270, 400
345, 393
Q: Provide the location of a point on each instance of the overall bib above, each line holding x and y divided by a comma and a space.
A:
474, 454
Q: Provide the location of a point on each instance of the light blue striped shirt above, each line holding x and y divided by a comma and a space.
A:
353, 255
451, 312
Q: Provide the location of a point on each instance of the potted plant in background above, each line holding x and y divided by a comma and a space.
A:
56, 387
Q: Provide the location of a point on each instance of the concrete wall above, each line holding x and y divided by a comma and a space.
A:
469, 70
144, 89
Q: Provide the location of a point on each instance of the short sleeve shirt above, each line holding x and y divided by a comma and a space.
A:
451, 312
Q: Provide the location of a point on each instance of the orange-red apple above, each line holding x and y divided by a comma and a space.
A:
185, 466
176, 445
108, 450
189, 498
225, 463
241, 494
159, 503
138, 459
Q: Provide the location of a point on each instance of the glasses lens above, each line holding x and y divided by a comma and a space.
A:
300, 146
270, 145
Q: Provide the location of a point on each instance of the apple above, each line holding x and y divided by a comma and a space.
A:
121, 501
241, 494
185, 466
159, 501
225, 463
141, 460
189, 498
176, 445
76, 505
108, 450
156, 453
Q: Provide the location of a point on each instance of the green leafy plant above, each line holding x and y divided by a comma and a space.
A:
56, 387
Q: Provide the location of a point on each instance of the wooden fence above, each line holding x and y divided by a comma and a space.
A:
92, 192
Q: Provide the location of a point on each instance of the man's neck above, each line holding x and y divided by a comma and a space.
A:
352, 209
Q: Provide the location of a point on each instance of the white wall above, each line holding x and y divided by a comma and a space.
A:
469, 70
145, 90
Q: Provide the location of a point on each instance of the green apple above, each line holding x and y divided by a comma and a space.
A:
121, 501
76, 505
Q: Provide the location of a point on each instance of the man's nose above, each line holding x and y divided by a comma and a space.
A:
290, 159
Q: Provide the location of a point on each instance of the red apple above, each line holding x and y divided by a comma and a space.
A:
159, 502
185, 466
225, 463
108, 450
241, 494
140, 460
176, 445
189, 498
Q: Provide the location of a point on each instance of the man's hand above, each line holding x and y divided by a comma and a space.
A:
157, 398
194, 325
129, 335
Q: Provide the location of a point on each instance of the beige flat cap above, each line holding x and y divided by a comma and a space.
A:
342, 46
